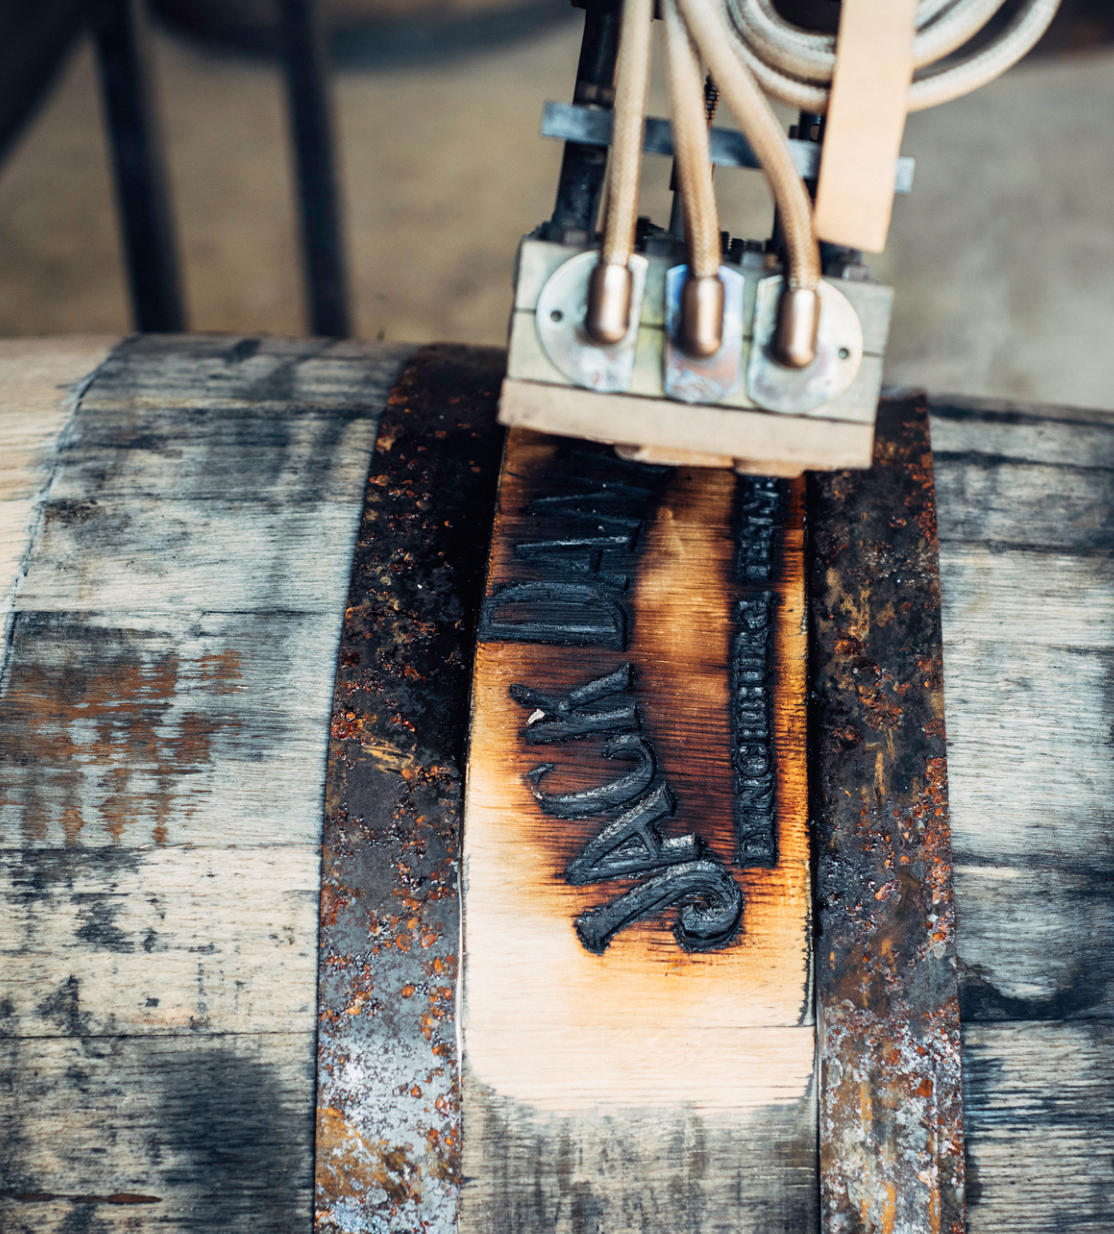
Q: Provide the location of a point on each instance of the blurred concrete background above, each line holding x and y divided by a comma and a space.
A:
1003, 257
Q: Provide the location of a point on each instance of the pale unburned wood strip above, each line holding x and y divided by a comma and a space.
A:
160, 372
168, 728
1027, 751
215, 1131
106, 941
1041, 1140
1036, 940
1064, 509
1073, 439
1013, 596
140, 553
547, 1023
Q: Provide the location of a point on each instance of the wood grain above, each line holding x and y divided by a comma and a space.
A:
199, 1133
1026, 501
40, 379
163, 727
1042, 1144
646, 1045
163, 940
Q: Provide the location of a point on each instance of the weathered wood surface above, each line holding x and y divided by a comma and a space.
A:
628, 1065
891, 1118
164, 715
1038, 1106
41, 380
1026, 503
388, 1083
165, 1131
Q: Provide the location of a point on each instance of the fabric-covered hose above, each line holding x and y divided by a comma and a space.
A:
690, 142
738, 88
759, 51
796, 66
632, 81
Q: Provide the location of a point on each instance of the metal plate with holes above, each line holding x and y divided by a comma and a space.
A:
562, 306
703, 381
839, 353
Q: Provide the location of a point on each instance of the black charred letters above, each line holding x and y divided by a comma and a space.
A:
675, 870
590, 533
762, 514
575, 593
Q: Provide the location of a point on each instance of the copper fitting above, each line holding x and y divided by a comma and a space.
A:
701, 333
610, 288
798, 318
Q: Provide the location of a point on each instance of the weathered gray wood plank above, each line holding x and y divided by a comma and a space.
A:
106, 941
144, 554
222, 373
1040, 1134
1035, 939
214, 1132
1026, 511
1023, 433
169, 728
298, 455
1029, 599
163, 726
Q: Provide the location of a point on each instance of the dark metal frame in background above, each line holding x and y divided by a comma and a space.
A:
35, 38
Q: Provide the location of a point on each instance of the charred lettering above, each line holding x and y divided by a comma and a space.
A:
762, 510
677, 871
752, 734
761, 515
568, 614
578, 568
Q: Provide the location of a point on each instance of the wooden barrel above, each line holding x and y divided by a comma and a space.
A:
238, 624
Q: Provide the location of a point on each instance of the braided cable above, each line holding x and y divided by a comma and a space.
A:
690, 142
632, 83
796, 65
739, 89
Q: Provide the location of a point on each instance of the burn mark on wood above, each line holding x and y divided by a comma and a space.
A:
752, 730
572, 587
761, 511
590, 527
678, 871
762, 506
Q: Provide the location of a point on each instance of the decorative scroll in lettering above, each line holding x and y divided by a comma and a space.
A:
762, 511
676, 871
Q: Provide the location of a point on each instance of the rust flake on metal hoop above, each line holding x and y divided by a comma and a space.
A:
388, 1096
891, 1116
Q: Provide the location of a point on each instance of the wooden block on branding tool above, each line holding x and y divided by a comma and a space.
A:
866, 118
636, 858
